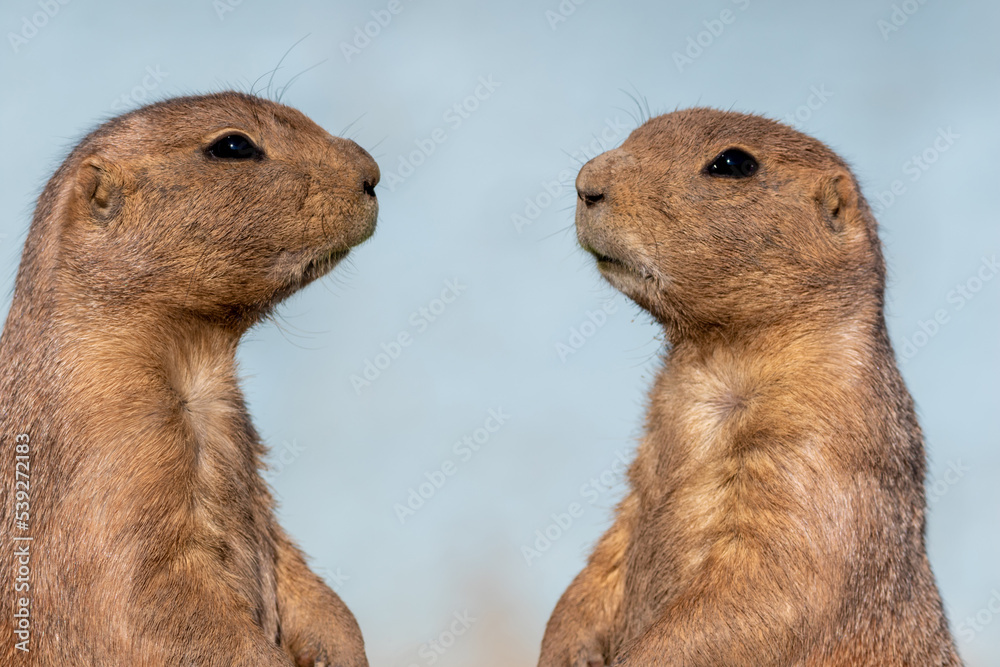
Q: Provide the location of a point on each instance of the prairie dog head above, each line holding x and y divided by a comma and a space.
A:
711, 219
219, 205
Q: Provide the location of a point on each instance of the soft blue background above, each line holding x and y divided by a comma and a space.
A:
351, 457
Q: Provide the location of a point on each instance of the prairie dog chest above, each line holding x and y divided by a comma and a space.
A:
688, 476
229, 507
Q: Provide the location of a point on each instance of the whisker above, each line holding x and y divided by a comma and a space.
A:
284, 89
558, 231
270, 80
351, 124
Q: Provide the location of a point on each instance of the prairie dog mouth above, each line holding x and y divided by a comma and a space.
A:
607, 264
608, 260
323, 264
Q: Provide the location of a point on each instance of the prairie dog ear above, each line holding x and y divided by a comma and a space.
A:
837, 201
100, 189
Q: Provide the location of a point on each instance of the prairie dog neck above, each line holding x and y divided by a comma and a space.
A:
167, 404
713, 401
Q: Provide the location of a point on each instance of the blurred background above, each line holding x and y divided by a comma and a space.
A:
431, 481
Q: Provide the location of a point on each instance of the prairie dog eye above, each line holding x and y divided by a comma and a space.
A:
732, 163
234, 147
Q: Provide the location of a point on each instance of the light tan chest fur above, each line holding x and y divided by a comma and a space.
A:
168, 476
736, 459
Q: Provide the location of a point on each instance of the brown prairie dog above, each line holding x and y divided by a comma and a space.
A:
162, 238
776, 508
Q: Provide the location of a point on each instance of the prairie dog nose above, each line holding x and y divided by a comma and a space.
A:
364, 165
593, 183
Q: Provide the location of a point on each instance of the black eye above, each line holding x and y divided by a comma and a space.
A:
732, 163
234, 147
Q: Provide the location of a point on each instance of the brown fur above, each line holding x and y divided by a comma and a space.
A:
155, 541
776, 512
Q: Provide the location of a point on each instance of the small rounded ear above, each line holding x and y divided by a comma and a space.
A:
837, 201
101, 189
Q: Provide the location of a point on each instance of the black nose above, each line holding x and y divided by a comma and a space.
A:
590, 198
367, 169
